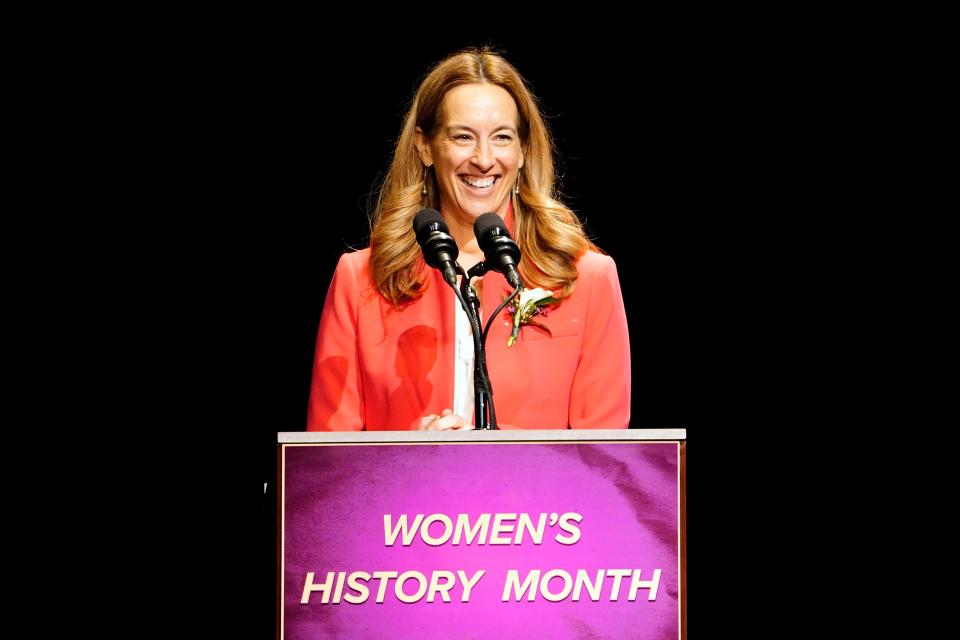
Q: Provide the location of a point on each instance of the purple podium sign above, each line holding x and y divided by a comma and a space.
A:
481, 539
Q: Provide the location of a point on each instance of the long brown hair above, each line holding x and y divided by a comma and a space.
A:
548, 233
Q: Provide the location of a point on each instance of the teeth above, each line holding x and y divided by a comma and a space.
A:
482, 184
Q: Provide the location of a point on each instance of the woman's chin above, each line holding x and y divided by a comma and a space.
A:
477, 207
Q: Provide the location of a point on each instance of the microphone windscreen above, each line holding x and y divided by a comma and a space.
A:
425, 218
486, 223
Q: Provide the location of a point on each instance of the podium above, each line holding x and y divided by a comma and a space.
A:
468, 534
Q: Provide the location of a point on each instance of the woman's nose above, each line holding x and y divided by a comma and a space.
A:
482, 157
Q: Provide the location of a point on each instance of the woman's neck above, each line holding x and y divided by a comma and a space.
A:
470, 253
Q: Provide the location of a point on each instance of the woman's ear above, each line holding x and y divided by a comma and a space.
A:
423, 147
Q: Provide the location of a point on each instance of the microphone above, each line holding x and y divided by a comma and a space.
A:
439, 248
499, 250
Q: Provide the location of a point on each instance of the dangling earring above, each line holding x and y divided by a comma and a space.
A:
426, 174
516, 187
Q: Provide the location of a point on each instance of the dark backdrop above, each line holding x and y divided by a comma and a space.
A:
219, 167
665, 154
645, 162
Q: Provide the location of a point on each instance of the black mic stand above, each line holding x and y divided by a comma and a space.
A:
482, 389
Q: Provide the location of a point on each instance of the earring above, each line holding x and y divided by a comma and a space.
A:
426, 174
516, 187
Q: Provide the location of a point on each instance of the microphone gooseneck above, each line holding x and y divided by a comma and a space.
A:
440, 251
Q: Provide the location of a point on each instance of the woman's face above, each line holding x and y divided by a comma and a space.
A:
476, 152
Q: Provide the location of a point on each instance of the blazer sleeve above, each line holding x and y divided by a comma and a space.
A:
336, 394
600, 395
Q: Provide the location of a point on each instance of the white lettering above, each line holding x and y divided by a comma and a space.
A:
513, 579
421, 586
592, 588
618, 574
573, 530
309, 587
526, 523
545, 585
390, 533
444, 589
384, 578
481, 525
362, 590
499, 527
653, 585
425, 529
469, 584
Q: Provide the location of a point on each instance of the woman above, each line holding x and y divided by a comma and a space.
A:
394, 349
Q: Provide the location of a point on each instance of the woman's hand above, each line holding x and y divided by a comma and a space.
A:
446, 421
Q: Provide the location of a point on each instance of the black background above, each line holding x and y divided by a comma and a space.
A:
188, 180
662, 153
677, 150
657, 149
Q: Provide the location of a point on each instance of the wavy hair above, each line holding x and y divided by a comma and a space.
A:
548, 233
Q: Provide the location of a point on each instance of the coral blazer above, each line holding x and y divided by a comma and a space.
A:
379, 368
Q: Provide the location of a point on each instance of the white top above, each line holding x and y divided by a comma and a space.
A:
463, 357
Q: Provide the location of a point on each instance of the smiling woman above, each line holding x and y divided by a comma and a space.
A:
472, 142
476, 156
